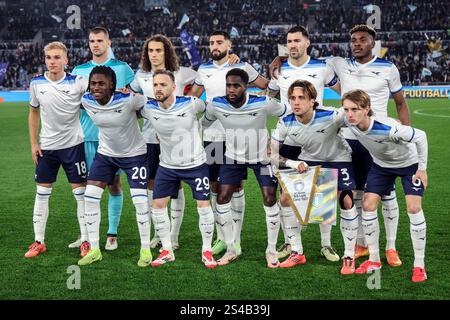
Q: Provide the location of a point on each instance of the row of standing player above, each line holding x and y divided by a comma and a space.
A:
220, 45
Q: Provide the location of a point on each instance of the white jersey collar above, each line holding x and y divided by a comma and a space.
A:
57, 81
359, 65
300, 67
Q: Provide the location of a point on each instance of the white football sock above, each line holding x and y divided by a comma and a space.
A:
325, 234
273, 227
78, 194
418, 230
206, 226
40, 212
176, 215
292, 229
349, 230
390, 215
237, 211
92, 215
360, 239
224, 223
161, 223
213, 196
140, 201
150, 203
372, 234
283, 228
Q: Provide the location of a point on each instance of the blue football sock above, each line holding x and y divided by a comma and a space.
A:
115, 204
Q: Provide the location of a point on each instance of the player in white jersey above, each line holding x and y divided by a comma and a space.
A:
100, 45
55, 99
397, 151
317, 130
121, 146
158, 53
300, 66
244, 118
211, 80
182, 158
379, 78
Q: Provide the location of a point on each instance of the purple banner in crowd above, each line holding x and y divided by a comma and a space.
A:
3, 68
190, 47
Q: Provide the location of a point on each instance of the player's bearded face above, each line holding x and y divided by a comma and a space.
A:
163, 87
297, 45
55, 60
354, 113
101, 87
219, 47
361, 44
301, 104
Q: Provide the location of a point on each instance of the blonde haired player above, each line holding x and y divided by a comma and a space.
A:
397, 151
55, 99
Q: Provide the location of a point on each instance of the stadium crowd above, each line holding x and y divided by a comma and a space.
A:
402, 32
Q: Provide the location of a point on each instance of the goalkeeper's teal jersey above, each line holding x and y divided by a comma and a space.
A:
124, 75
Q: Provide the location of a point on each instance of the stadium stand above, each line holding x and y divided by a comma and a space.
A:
411, 47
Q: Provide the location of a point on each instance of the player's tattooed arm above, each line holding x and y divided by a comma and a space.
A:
272, 93
274, 151
276, 65
196, 90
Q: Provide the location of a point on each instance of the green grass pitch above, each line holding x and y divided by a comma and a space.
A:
118, 277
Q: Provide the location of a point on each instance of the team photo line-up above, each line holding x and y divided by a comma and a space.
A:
89, 126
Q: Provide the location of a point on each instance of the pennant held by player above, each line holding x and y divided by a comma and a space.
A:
312, 195
299, 188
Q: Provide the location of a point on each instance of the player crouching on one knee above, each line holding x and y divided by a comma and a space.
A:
397, 151
316, 129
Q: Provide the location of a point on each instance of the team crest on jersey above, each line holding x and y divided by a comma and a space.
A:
376, 73
253, 114
312, 76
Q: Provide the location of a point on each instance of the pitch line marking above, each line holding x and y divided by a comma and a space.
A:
421, 113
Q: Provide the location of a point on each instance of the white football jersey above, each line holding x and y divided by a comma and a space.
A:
245, 127
318, 72
59, 103
143, 83
378, 78
119, 133
320, 139
213, 78
393, 145
178, 131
